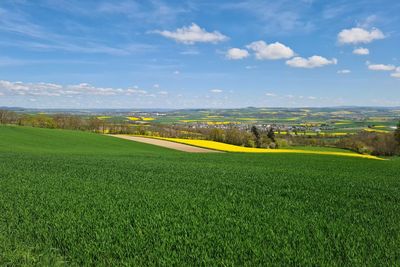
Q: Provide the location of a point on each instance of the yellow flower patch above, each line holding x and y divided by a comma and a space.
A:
133, 118
375, 130
232, 148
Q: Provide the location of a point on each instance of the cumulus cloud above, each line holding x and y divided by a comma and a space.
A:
311, 62
359, 35
193, 34
270, 94
380, 67
361, 51
51, 89
237, 53
344, 71
216, 91
264, 51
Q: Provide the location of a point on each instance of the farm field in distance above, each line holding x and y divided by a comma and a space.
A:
78, 198
331, 121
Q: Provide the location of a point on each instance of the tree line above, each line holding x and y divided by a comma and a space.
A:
380, 144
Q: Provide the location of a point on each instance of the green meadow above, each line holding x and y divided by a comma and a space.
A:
76, 198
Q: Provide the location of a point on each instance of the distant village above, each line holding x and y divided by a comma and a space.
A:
263, 127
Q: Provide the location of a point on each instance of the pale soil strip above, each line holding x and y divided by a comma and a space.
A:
167, 144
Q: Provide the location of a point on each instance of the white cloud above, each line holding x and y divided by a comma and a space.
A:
177, 72
312, 98
396, 74
270, 94
380, 67
156, 85
344, 71
163, 93
193, 34
359, 35
237, 53
131, 91
361, 51
273, 51
250, 67
311, 62
55, 90
216, 91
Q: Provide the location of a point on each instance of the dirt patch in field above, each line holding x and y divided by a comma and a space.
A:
167, 144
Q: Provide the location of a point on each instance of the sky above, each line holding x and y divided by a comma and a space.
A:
199, 54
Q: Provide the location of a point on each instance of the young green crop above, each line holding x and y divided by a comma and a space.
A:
77, 198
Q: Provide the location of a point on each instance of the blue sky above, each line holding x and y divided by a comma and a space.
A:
199, 54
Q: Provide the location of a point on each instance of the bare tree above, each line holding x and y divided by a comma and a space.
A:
7, 116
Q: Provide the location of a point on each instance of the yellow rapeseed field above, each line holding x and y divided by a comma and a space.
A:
220, 122
342, 123
133, 118
375, 130
148, 119
232, 148
190, 121
103, 117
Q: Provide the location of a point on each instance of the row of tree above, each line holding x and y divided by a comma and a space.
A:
387, 144
59, 121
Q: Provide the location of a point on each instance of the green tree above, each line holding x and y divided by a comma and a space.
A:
235, 136
216, 135
257, 136
397, 134
271, 134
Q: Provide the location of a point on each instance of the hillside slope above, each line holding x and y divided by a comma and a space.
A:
86, 199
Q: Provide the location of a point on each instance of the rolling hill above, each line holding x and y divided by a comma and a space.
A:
77, 198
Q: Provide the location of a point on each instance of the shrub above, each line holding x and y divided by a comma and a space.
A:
378, 144
282, 143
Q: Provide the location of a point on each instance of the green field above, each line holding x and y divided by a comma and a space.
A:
76, 198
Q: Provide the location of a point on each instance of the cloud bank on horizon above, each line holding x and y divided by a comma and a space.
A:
191, 54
